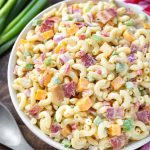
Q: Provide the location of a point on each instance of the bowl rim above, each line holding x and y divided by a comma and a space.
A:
10, 77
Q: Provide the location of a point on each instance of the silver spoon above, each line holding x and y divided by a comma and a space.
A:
10, 134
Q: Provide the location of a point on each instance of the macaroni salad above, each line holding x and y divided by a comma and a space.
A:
83, 75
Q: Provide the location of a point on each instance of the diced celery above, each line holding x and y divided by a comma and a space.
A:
29, 67
96, 38
97, 120
129, 22
36, 22
66, 143
129, 85
47, 61
120, 67
26, 53
128, 124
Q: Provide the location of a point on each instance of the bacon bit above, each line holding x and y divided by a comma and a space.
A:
35, 110
112, 12
69, 89
57, 94
54, 128
73, 126
88, 60
104, 16
114, 113
143, 116
118, 142
82, 37
47, 24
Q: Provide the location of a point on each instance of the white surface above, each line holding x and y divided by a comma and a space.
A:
11, 65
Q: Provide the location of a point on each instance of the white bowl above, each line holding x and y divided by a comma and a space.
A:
11, 65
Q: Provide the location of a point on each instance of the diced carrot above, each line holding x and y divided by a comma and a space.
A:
57, 94
60, 46
40, 94
106, 48
47, 78
114, 130
117, 83
23, 41
82, 84
72, 30
48, 34
146, 25
84, 103
128, 36
66, 131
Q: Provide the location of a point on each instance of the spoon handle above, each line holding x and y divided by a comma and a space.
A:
22, 146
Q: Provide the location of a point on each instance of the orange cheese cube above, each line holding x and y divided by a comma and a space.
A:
48, 34
82, 84
84, 103
72, 30
47, 78
128, 36
40, 94
117, 83
114, 130
106, 48
66, 131
146, 25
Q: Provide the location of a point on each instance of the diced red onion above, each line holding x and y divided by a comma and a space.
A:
139, 72
67, 68
131, 58
73, 126
64, 57
58, 38
27, 92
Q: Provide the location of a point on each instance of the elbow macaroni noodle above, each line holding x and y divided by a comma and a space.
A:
83, 72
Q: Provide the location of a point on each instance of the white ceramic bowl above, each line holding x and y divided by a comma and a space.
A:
12, 62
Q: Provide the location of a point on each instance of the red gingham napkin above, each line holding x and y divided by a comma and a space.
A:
144, 3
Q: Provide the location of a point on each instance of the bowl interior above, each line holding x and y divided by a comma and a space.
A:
11, 77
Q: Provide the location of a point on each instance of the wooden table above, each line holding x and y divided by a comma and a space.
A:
34, 141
